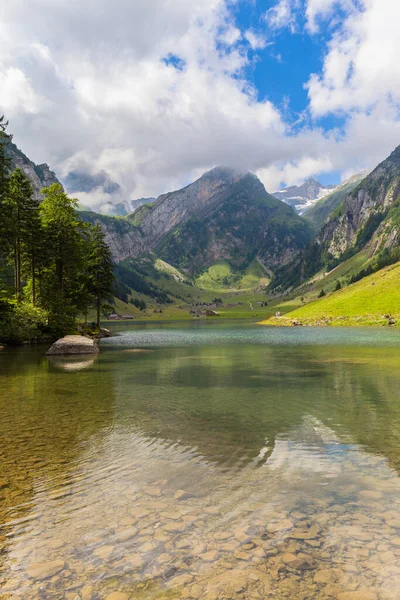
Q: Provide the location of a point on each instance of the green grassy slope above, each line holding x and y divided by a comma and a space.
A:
171, 295
221, 278
363, 303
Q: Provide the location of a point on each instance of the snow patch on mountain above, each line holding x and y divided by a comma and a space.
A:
302, 197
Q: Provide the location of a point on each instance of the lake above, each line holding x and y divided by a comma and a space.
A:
203, 460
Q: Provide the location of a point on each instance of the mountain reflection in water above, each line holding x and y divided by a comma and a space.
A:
230, 461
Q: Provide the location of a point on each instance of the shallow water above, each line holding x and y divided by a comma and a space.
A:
203, 461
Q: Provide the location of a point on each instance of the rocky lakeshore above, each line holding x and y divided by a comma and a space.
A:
361, 321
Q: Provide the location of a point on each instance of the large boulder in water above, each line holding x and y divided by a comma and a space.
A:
74, 344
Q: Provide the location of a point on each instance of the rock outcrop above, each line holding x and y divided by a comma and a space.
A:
319, 213
304, 196
40, 176
363, 211
225, 214
368, 218
124, 239
71, 345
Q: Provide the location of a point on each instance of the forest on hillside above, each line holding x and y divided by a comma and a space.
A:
53, 265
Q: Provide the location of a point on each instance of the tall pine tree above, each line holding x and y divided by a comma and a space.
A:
64, 258
4, 174
5, 138
52, 264
100, 271
21, 221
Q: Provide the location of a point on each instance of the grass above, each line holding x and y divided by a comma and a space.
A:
362, 303
254, 277
164, 267
221, 278
310, 291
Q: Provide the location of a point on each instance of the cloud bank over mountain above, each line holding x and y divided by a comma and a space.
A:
155, 93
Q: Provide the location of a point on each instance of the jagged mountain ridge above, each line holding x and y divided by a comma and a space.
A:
319, 212
304, 196
174, 208
40, 176
367, 218
135, 204
226, 214
366, 212
247, 223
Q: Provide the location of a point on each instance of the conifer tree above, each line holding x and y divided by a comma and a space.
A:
62, 231
52, 264
4, 173
4, 161
20, 218
100, 270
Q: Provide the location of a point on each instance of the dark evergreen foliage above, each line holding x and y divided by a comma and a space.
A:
53, 264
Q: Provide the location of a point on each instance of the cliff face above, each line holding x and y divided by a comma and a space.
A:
366, 211
124, 239
224, 215
243, 224
319, 213
40, 176
368, 218
176, 208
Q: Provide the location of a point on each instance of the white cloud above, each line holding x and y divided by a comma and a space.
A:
359, 81
155, 92
256, 41
114, 97
293, 172
361, 66
317, 10
17, 94
283, 14
230, 36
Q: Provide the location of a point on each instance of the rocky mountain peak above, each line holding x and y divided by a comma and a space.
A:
223, 173
395, 156
40, 176
304, 196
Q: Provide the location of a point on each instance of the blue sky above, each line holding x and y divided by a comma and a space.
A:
285, 88
280, 71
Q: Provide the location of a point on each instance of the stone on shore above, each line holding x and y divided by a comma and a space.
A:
71, 345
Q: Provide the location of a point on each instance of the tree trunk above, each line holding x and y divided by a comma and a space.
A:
98, 306
15, 271
18, 270
18, 249
33, 280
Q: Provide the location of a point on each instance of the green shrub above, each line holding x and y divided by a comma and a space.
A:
23, 323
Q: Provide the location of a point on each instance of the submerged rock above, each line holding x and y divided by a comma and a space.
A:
117, 596
182, 495
45, 570
73, 344
358, 595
